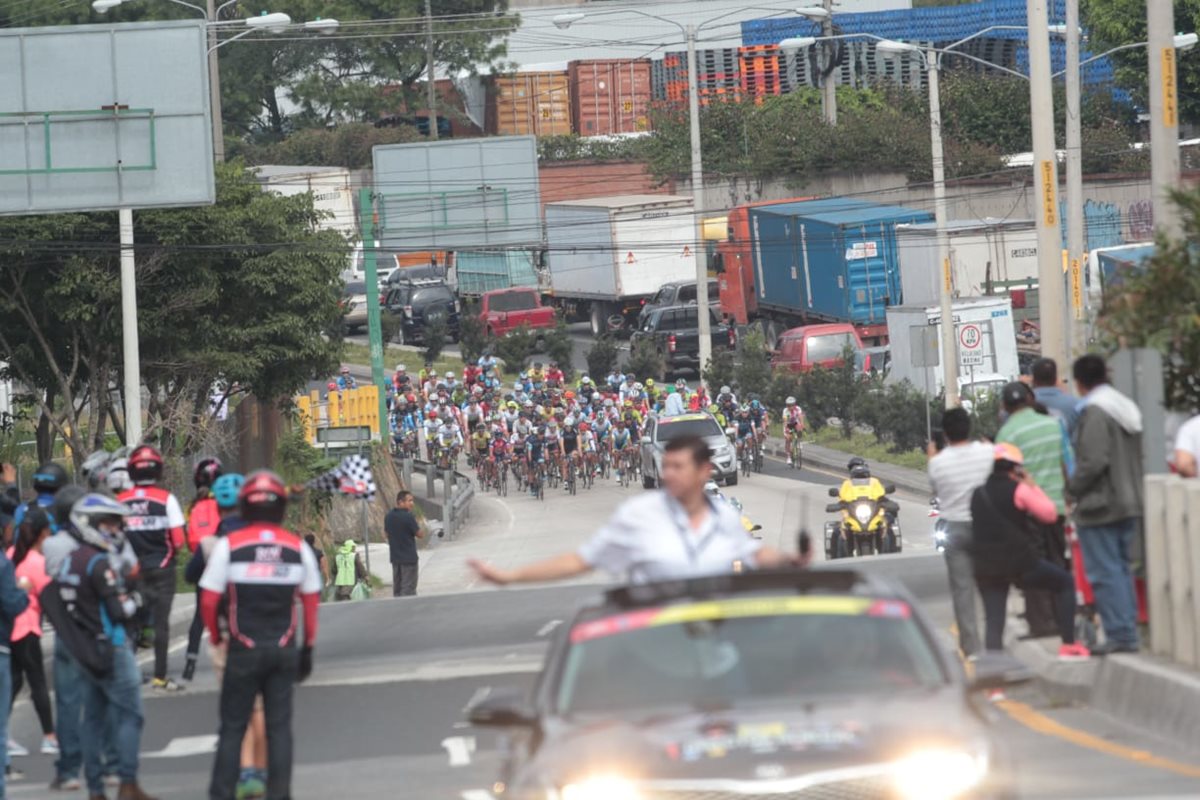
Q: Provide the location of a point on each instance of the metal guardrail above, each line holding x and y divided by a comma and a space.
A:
457, 491
1173, 567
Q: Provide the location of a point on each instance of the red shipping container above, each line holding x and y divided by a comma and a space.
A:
610, 96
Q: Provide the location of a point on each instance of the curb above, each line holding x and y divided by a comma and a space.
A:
909, 480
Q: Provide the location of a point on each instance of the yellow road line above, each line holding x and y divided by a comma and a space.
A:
1040, 723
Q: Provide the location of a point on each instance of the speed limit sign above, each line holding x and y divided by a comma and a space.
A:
970, 337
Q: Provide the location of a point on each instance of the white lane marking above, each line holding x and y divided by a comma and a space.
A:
478, 697
185, 746
477, 794
459, 749
548, 627
433, 673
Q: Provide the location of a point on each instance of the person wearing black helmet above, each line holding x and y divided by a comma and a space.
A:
48, 479
203, 519
156, 531
265, 566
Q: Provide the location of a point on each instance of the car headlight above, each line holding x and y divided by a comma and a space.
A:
602, 787
942, 774
863, 513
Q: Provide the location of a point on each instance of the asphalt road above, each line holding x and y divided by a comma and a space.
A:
382, 716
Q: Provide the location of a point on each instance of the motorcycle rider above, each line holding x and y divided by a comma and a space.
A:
90, 606
155, 529
48, 479
859, 477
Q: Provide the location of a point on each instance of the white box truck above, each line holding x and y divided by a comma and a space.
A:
606, 255
985, 339
987, 256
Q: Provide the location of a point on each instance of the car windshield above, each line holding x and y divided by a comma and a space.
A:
431, 295
353, 288
512, 301
669, 429
744, 649
830, 346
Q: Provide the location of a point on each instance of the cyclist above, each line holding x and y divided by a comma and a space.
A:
727, 400
758, 412
401, 380
793, 425
589, 447
746, 429
626, 388
570, 446
499, 449
653, 393
449, 437
480, 445
535, 455
537, 375
552, 438
632, 421
346, 380
554, 375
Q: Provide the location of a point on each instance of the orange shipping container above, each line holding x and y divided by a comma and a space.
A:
610, 96
537, 103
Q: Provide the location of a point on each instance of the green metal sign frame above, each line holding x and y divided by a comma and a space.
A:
46, 118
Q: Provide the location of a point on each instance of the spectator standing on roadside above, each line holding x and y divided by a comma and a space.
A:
203, 519
350, 570
1187, 448
322, 564
403, 529
679, 532
13, 601
1107, 489
1048, 392
954, 474
1043, 441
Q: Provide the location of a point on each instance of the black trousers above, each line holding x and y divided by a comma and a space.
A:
404, 580
196, 632
28, 665
158, 589
271, 671
1041, 606
1043, 575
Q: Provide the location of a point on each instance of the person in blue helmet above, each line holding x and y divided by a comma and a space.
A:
48, 479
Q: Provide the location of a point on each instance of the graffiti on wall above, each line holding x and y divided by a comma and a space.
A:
1139, 219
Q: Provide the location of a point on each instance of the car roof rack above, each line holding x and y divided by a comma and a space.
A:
800, 581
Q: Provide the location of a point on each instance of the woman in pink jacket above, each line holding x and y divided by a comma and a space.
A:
27, 661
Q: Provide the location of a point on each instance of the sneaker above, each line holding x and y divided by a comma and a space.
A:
789, 461
165, 685
49, 746
252, 785
111, 779
1073, 652
15, 748
60, 784
1109, 648
13, 774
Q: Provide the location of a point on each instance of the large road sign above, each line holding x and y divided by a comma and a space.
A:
96, 117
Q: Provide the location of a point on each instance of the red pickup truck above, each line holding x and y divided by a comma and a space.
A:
506, 310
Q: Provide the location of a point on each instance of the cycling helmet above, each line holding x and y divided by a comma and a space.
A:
401, 368
49, 478
145, 465
726, 390
263, 497
649, 383
60, 509
608, 402
585, 381
98, 520
433, 414
225, 490
681, 384
331, 386
712, 489
569, 395
345, 370
754, 404
93, 468
207, 471
791, 401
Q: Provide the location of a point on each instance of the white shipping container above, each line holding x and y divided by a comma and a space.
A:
985, 339
983, 252
332, 190
611, 248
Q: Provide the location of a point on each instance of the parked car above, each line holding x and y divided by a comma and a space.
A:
675, 332
354, 306
678, 293
419, 272
660, 430
505, 310
761, 684
801, 349
421, 303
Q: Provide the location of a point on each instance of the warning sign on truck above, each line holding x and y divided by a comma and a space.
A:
860, 250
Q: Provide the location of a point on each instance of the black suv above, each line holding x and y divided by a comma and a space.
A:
677, 293
789, 684
675, 331
420, 303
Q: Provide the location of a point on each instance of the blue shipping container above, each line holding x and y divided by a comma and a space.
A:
834, 259
480, 271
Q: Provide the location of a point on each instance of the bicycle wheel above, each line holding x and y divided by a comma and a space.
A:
504, 481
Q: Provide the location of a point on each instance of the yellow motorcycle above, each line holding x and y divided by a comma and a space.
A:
868, 523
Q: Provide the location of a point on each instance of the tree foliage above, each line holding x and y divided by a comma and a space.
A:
560, 348
754, 367
348, 145
602, 357
645, 361
1156, 306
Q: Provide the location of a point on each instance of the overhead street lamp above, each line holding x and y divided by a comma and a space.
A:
824, 15
275, 23
689, 31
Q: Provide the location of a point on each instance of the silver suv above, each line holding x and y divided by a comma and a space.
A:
660, 430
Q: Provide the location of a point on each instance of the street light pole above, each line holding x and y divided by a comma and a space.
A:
702, 310
949, 331
1051, 299
1075, 233
1164, 116
214, 85
430, 89
829, 81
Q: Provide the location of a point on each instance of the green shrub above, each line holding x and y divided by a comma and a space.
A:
721, 370
472, 338
435, 338
560, 348
754, 370
515, 348
602, 357
645, 361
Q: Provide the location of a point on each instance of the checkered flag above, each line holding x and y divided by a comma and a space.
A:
353, 477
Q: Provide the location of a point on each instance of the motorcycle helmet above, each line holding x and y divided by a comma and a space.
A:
207, 471
855, 462
225, 490
49, 478
263, 497
93, 468
98, 520
860, 472
145, 465
60, 509
116, 477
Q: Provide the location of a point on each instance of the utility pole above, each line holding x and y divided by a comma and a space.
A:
214, 85
1051, 295
430, 88
1164, 116
1076, 244
829, 81
949, 329
702, 309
